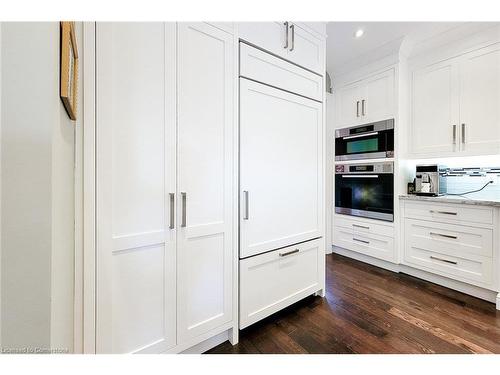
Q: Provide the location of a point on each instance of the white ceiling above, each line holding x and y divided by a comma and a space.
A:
379, 39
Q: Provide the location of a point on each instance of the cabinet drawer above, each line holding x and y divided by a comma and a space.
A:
264, 67
274, 280
363, 227
450, 239
477, 271
449, 213
381, 247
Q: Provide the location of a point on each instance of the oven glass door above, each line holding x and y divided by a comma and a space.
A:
366, 195
377, 144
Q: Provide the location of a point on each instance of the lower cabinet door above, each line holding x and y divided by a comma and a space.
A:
271, 281
205, 179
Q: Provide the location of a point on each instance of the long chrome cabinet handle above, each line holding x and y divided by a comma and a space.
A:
357, 108
454, 134
172, 210
360, 226
292, 27
443, 212
286, 35
363, 107
443, 235
183, 217
245, 193
289, 253
357, 239
463, 134
443, 260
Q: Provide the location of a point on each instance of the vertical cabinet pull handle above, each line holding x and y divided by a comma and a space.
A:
363, 107
357, 108
245, 193
183, 218
286, 35
172, 210
463, 134
454, 134
293, 37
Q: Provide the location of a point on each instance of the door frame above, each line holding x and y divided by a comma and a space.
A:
85, 205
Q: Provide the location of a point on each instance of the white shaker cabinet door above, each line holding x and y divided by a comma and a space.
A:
306, 50
434, 109
135, 124
205, 178
348, 105
270, 36
377, 103
480, 101
281, 161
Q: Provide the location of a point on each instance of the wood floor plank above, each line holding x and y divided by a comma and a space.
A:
372, 310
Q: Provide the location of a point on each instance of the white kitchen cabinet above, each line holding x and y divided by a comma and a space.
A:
370, 99
434, 112
261, 66
455, 105
205, 179
480, 101
274, 280
348, 105
165, 197
306, 50
451, 240
270, 36
287, 40
136, 252
367, 237
281, 168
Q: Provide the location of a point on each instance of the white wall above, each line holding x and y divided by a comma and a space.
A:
37, 191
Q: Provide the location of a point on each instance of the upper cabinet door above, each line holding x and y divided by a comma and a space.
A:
281, 168
271, 36
480, 101
434, 109
135, 122
205, 178
348, 103
377, 102
306, 50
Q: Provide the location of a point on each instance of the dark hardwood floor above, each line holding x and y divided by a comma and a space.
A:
371, 310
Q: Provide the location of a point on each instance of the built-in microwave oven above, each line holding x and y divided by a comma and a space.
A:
369, 141
365, 190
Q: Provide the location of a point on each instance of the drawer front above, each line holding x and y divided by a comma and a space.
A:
449, 213
363, 227
477, 272
263, 67
271, 281
450, 239
381, 247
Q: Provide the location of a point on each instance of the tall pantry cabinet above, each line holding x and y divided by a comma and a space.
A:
165, 185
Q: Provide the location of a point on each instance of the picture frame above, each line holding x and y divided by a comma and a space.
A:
69, 69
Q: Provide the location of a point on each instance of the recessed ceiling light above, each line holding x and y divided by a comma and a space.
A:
359, 33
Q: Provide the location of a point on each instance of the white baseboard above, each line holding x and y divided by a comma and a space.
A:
366, 259
475, 291
204, 342
208, 344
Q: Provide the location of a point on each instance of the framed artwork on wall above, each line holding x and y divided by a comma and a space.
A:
69, 69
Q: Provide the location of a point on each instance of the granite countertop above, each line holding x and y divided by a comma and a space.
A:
472, 199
